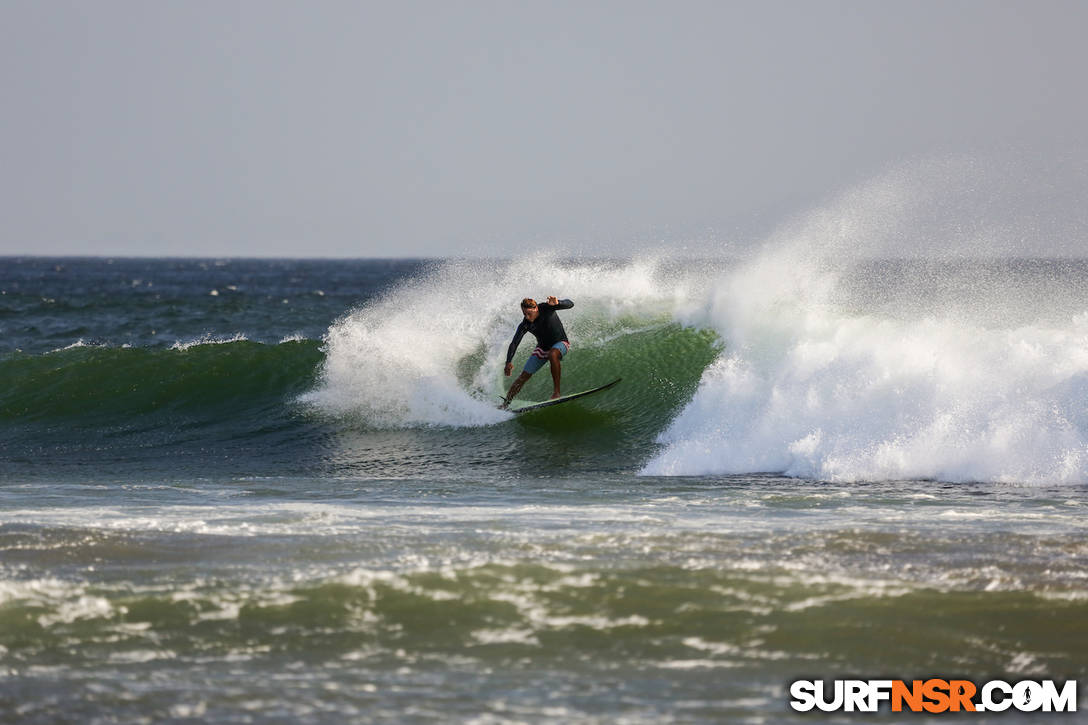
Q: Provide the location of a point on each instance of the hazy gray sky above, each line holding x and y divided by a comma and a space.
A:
272, 128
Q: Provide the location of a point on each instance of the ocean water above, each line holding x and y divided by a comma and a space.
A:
242, 491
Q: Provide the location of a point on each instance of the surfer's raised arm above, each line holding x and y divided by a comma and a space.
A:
558, 304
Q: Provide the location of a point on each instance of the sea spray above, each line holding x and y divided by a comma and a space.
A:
870, 399
820, 379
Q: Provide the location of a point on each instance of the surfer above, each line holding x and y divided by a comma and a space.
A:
551, 339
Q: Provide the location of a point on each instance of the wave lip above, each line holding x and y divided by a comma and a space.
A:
209, 340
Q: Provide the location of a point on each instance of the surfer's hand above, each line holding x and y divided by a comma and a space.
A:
553, 301
509, 367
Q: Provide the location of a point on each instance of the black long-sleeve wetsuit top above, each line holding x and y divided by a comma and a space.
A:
547, 329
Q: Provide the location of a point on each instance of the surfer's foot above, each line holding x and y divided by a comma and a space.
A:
555, 395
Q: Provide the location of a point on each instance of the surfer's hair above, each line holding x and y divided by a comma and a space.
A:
528, 303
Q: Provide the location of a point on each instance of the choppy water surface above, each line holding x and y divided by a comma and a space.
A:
245, 491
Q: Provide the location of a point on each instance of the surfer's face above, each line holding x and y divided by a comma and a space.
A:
530, 312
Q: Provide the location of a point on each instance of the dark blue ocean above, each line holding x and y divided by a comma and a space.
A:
238, 491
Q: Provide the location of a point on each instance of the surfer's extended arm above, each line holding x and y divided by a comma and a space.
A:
518, 334
557, 304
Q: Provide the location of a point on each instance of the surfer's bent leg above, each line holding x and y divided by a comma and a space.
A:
515, 387
535, 362
556, 354
553, 359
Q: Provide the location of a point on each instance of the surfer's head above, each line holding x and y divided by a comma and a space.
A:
529, 309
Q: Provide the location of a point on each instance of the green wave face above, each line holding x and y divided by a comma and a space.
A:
214, 408
239, 401
615, 430
108, 384
660, 368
